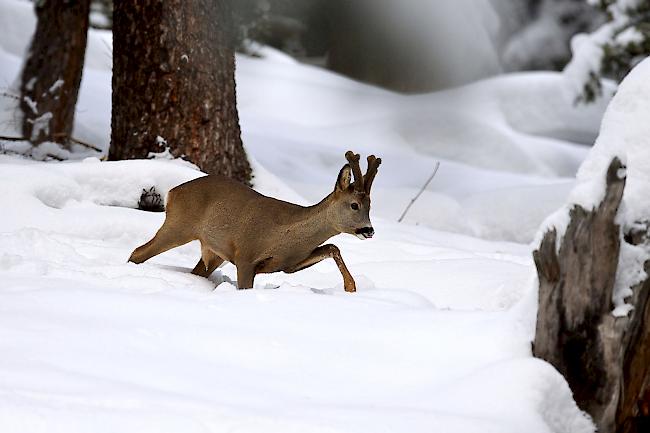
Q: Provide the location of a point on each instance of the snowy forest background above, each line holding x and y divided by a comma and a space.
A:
415, 35
512, 296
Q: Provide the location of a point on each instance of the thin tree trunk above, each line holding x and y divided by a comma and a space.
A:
52, 73
174, 84
605, 359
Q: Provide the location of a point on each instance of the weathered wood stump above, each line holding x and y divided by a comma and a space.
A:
605, 359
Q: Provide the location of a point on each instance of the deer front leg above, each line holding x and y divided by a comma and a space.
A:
245, 275
325, 252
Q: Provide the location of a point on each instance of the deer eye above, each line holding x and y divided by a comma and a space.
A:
354, 206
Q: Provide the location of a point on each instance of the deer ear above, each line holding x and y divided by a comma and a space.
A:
345, 176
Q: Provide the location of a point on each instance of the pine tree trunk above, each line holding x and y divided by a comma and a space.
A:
52, 73
605, 359
174, 84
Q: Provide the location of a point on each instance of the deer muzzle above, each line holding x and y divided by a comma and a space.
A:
364, 233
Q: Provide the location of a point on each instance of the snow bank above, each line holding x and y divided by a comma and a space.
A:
625, 133
102, 183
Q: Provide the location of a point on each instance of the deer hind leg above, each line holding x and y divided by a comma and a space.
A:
325, 252
208, 262
166, 238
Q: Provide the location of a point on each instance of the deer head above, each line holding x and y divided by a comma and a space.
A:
351, 211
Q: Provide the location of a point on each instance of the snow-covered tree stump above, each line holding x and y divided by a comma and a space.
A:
605, 359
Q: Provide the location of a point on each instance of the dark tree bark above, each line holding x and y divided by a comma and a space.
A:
173, 78
605, 359
52, 73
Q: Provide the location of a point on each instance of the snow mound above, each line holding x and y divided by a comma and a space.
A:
101, 183
625, 133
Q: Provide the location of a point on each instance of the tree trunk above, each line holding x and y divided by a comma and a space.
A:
52, 73
605, 359
174, 84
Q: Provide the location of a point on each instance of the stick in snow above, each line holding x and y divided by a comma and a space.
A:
435, 170
6, 138
10, 95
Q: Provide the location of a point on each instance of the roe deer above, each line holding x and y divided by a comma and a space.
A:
260, 234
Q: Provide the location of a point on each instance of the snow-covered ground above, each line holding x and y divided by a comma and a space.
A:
436, 339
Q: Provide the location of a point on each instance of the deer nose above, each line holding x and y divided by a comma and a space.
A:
366, 232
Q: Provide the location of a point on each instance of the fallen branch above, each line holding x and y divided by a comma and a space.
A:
6, 138
413, 200
83, 143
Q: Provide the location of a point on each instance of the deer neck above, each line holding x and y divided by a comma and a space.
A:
319, 220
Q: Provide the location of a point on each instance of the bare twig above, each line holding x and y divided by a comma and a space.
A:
88, 145
108, 47
7, 138
435, 170
82, 143
10, 95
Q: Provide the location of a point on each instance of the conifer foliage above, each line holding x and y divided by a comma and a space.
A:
612, 50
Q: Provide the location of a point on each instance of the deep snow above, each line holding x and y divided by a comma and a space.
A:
438, 335
436, 339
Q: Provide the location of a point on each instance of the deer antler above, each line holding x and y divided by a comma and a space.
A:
356, 170
373, 165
